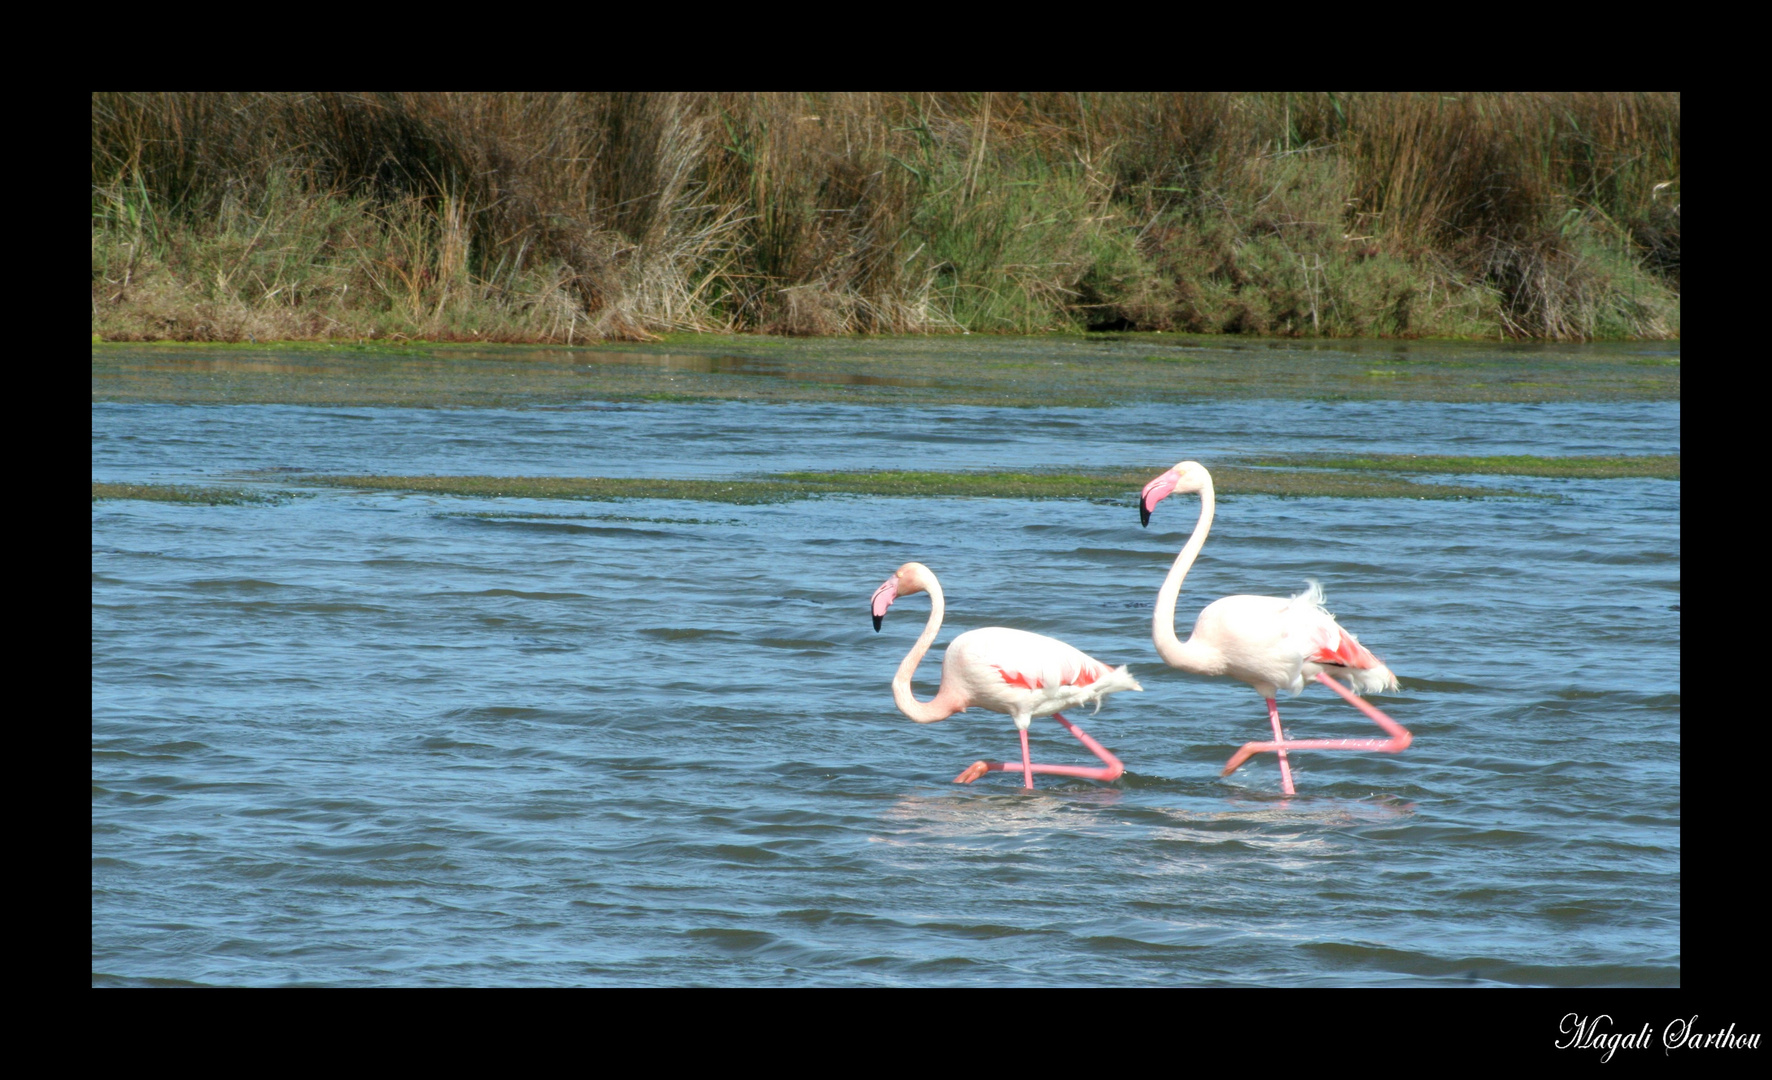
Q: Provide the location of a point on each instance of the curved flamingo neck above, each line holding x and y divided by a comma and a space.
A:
941, 706
1199, 659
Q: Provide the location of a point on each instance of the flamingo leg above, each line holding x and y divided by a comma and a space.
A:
1113, 770
979, 768
1026, 767
1399, 735
1273, 716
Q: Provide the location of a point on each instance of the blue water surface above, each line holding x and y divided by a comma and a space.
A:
362, 738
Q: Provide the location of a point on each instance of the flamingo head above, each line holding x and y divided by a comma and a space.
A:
907, 579
1186, 476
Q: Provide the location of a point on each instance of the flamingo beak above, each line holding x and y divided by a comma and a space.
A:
1155, 492
883, 597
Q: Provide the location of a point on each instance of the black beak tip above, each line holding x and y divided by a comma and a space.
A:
876, 624
1144, 514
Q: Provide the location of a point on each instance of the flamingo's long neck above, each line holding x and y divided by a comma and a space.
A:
1199, 659
940, 707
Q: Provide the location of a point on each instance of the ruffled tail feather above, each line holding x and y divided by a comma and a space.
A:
1372, 680
1312, 595
1365, 672
1059, 698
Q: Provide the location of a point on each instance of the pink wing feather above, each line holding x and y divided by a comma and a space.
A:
1336, 646
1070, 674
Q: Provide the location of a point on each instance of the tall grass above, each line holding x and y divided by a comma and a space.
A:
560, 217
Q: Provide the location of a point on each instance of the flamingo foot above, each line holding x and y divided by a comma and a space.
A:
1248, 751
973, 772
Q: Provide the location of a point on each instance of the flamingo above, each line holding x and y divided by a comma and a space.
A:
1265, 641
1003, 670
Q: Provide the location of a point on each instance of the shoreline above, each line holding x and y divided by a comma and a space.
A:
910, 370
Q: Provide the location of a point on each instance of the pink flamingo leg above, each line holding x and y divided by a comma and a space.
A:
1399, 734
1113, 771
1400, 737
1024, 767
1273, 715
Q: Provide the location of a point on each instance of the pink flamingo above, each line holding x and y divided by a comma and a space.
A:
1265, 641
1007, 671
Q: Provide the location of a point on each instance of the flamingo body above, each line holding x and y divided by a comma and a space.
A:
1026, 675
1268, 642
1015, 672
1276, 644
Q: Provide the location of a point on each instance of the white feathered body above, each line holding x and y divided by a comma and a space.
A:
1028, 675
1277, 644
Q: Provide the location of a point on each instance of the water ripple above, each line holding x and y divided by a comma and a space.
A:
365, 738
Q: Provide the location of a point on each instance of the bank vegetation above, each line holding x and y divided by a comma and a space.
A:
581, 217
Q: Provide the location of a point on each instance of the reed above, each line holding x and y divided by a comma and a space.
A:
568, 217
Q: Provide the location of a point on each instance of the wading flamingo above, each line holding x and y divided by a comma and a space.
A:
1265, 641
1007, 671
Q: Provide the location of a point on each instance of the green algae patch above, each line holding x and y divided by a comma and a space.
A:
1658, 466
573, 487
992, 485
190, 493
628, 519
1124, 484
1232, 480
990, 370
1114, 486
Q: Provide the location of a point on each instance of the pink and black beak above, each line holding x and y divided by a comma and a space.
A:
883, 597
1155, 492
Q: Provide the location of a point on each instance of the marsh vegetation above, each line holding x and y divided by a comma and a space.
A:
569, 218
1119, 485
198, 494
989, 370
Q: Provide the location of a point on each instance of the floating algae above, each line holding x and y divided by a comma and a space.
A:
1660, 466
190, 493
575, 487
1372, 476
1116, 485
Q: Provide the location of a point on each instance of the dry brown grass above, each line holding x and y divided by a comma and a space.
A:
559, 217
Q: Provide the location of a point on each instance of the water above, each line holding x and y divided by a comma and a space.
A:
375, 738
